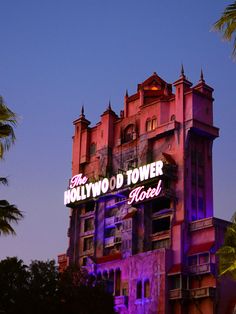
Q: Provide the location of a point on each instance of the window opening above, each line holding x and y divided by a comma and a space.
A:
88, 244
161, 224
154, 123
146, 289
139, 290
88, 224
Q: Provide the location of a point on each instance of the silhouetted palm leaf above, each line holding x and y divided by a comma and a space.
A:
227, 25
8, 214
4, 181
8, 119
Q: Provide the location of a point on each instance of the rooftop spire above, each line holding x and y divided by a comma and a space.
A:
126, 93
109, 105
182, 69
82, 111
202, 76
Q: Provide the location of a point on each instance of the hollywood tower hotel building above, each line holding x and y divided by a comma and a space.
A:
141, 201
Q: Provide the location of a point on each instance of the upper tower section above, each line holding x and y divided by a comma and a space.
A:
152, 89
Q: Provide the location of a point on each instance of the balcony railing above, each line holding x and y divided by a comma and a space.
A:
121, 301
109, 241
202, 269
165, 234
178, 294
110, 221
118, 239
202, 292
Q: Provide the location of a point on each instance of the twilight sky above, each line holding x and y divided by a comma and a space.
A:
57, 55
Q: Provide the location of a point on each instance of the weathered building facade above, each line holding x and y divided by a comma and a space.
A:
141, 200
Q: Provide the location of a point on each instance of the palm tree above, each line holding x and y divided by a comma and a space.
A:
8, 213
227, 253
8, 120
227, 25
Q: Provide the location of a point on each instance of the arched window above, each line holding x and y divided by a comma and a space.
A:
117, 282
111, 281
139, 290
105, 275
148, 125
129, 133
99, 276
154, 123
146, 288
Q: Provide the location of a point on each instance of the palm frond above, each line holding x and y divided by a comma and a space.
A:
8, 214
8, 120
227, 24
4, 181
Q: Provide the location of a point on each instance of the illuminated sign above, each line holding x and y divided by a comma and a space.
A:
81, 189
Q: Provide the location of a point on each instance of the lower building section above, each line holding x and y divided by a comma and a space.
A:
152, 283
138, 282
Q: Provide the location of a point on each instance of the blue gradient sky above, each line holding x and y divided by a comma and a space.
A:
57, 55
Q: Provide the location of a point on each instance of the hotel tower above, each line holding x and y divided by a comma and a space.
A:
141, 201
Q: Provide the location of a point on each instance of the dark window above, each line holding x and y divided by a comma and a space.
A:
93, 148
192, 260
175, 282
117, 282
84, 261
139, 290
89, 207
160, 203
88, 224
111, 281
161, 224
99, 276
88, 244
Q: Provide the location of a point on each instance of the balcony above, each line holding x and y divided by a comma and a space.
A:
202, 292
110, 222
118, 219
202, 269
165, 234
109, 241
118, 240
201, 224
176, 294
121, 301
